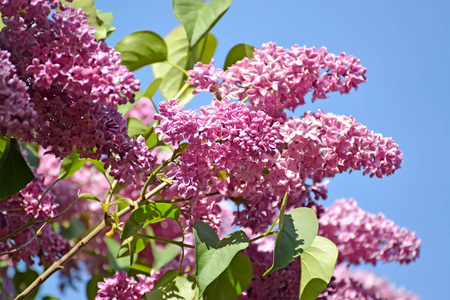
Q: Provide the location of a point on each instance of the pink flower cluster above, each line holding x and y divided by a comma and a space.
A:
17, 114
16, 210
74, 86
120, 287
364, 237
278, 78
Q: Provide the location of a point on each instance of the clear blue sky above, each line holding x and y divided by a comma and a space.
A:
404, 45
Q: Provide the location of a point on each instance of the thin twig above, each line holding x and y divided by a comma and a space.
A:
24, 245
58, 265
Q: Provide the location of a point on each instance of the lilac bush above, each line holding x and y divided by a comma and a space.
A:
164, 177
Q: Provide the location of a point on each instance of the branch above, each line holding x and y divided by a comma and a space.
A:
58, 265
24, 245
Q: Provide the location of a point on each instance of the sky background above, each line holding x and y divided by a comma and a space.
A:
404, 45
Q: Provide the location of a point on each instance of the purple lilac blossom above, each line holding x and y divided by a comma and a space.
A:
364, 237
16, 210
74, 84
122, 287
278, 78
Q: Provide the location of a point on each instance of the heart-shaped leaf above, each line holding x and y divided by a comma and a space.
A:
135, 127
297, 230
148, 214
233, 281
317, 263
199, 17
141, 48
70, 165
15, 173
237, 53
213, 256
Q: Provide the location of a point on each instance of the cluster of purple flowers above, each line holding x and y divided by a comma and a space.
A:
120, 286
278, 78
364, 237
70, 86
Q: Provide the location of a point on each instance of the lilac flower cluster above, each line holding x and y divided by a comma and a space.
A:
120, 287
74, 85
277, 78
364, 237
16, 210
17, 114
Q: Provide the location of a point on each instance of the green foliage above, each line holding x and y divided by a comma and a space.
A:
206, 48
212, 255
130, 247
105, 20
149, 214
32, 154
317, 263
136, 127
233, 281
199, 17
15, 173
70, 165
141, 48
177, 54
174, 285
92, 288
237, 53
75, 229
22, 280
297, 230
118, 264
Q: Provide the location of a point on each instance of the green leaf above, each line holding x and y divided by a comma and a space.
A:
198, 17
70, 165
213, 256
118, 264
149, 214
206, 48
233, 281
237, 53
32, 155
88, 197
133, 243
141, 48
106, 19
92, 287
135, 127
174, 285
15, 173
75, 229
22, 280
317, 263
50, 298
296, 232
165, 256
177, 54
152, 88
149, 93
3, 142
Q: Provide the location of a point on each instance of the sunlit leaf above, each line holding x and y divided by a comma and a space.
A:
317, 265
199, 17
297, 230
70, 165
233, 281
213, 256
237, 53
174, 285
141, 48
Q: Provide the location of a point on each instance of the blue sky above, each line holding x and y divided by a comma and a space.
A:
404, 45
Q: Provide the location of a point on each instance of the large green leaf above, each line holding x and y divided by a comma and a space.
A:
70, 165
233, 281
317, 263
213, 256
141, 48
174, 285
296, 232
92, 287
198, 17
105, 19
206, 48
22, 280
149, 214
237, 53
15, 173
177, 54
